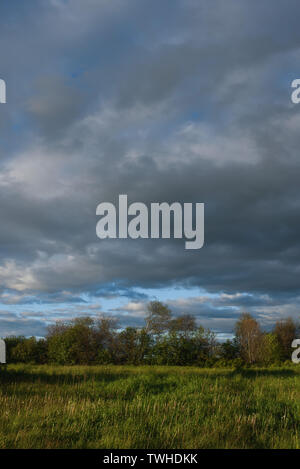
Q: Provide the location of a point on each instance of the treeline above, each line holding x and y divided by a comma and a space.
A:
165, 340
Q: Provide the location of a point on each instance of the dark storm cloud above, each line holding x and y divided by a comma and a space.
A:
185, 101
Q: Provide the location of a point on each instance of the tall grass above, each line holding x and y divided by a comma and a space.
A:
148, 407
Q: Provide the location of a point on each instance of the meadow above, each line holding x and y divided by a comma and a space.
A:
148, 407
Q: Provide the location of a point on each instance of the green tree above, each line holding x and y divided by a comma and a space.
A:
29, 350
229, 350
269, 351
74, 342
82, 341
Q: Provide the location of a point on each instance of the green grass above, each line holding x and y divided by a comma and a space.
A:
149, 407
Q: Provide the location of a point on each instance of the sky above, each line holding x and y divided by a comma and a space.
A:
186, 101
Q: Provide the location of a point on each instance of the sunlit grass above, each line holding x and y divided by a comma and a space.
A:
149, 407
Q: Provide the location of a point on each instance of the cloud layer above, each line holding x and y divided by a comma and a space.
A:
163, 101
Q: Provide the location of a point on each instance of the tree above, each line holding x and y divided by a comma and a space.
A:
59, 344
28, 350
144, 346
285, 331
269, 349
73, 342
132, 346
184, 325
128, 346
158, 318
82, 341
106, 327
229, 350
249, 336
205, 344
11, 342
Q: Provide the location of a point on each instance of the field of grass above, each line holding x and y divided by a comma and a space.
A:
149, 407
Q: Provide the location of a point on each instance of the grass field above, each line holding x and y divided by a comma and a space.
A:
149, 407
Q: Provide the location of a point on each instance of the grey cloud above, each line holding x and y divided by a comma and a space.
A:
183, 104
21, 326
